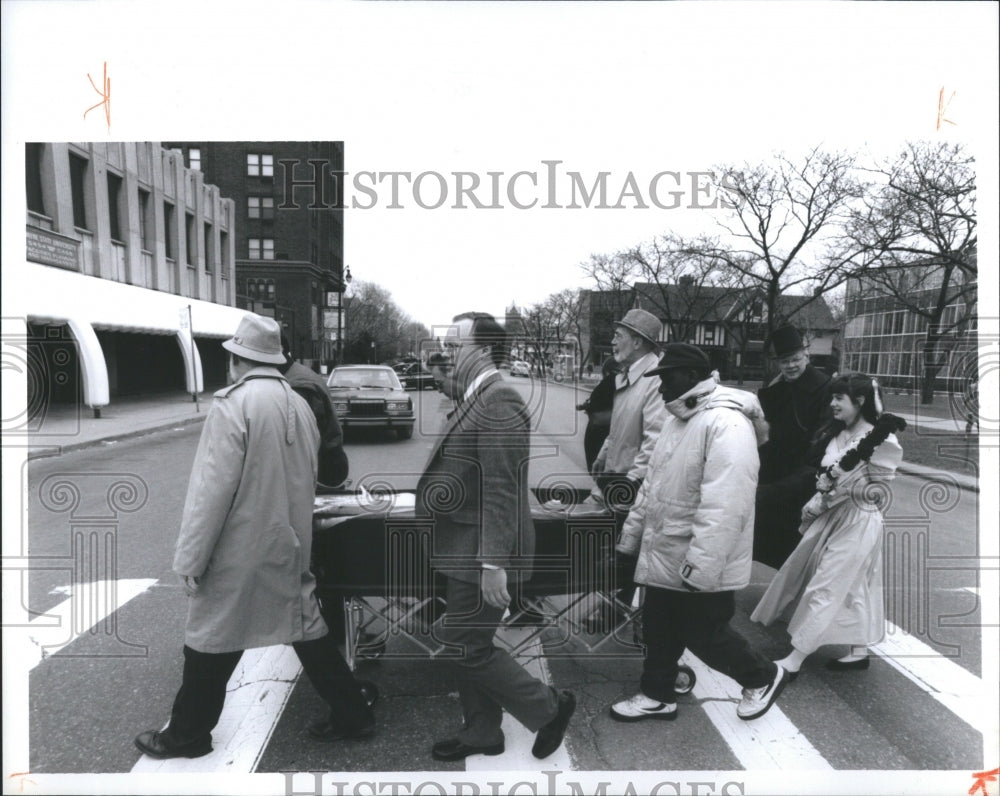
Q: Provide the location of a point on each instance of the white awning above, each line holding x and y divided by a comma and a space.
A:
55, 295
86, 303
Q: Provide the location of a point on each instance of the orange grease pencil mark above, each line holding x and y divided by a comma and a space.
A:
105, 96
943, 107
981, 779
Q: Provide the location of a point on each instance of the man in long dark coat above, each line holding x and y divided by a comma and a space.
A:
796, 403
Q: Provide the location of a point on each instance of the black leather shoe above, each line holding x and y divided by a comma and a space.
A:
327, 730
848, 666
454, 749
550, 737
153, 743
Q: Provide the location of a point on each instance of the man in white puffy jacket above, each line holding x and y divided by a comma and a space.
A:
692, 530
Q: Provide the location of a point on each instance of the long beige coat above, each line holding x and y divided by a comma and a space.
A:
247, 525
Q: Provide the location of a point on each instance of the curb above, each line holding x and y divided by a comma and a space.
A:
48, 451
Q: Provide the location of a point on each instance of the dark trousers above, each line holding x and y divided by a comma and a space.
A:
199, 701
489, 679
699, 621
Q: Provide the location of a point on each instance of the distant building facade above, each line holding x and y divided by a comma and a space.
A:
128, 253
886, 337
730, 326
289, 232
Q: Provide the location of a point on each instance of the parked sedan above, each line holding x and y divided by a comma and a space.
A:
370, 396
414, 376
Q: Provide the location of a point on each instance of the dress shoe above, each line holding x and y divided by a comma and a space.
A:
329, 730
550, 737
154, 744
454, 749
860, 664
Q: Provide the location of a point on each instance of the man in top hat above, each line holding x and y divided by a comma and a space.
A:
691, 529
244, 547
637, 413
796, 403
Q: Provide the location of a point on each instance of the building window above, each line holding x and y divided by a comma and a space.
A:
259, 165
261, 248
33, 177
224, 254
189, 230
260, 207
194, 159
209, 249
169, 230
77, 175
144, 220
114, 206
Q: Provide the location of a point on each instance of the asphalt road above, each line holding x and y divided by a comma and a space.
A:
120, 505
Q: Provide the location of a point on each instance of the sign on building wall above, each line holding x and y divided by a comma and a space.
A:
49, 248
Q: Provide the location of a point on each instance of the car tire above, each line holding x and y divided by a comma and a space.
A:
404, 433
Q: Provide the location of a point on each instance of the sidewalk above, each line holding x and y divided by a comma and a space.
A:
64, 428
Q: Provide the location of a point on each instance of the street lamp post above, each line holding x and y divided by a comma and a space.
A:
341, 314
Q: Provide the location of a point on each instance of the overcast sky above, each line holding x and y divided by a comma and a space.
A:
628, 89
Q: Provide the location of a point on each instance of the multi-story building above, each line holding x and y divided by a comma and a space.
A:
129, 283
888, 323
289, 232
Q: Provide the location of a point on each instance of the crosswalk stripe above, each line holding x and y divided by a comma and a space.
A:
256, 696
87, 606
769, 743
950, 684
518, 739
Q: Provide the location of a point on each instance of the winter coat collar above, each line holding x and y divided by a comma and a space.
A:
708, 394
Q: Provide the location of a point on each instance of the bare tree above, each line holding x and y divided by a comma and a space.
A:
685, 285
377, 330
917, 230
569, 310
778, 237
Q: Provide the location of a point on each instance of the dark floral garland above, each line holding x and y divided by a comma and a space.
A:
885, 425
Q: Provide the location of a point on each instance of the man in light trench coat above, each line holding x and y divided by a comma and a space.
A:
244, 549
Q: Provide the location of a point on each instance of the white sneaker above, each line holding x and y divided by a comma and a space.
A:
640, 706
757, 701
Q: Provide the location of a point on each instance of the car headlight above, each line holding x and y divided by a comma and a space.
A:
398, 406
340, 407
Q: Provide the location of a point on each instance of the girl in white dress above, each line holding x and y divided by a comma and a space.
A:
832, 582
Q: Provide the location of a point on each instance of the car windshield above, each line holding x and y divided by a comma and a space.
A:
357, 378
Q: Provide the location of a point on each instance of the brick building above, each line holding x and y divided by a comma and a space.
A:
289, 231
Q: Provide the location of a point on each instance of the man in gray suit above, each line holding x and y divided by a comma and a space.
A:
475, 489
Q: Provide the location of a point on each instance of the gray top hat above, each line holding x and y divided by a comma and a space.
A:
643, 323
257, 339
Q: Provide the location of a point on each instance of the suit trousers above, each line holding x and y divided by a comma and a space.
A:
489, 679
675, 620
199, 701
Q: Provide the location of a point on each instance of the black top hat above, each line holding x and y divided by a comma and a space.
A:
786, 340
